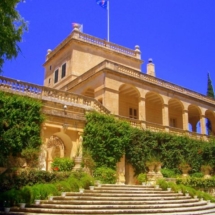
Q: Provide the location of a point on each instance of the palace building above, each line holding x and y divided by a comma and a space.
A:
85, 73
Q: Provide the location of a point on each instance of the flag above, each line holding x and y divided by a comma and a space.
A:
102, 3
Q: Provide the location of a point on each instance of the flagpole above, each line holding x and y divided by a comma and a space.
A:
108, 21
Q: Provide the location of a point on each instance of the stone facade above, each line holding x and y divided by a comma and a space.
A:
85, 73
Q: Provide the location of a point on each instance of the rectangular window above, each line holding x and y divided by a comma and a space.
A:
56, 76
172, 122
133, 113
63, 73
49, 80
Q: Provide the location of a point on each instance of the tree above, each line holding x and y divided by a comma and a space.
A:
12, 26
210, 93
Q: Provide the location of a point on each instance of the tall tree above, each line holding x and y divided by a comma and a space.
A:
12, 26
210, 93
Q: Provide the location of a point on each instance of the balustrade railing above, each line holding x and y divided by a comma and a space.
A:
104, 43
49, 94
144, 77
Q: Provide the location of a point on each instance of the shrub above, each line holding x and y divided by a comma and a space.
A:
197, 175
142, 177
168, 173
62, 164
105, 175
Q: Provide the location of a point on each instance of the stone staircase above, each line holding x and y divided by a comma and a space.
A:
120, 199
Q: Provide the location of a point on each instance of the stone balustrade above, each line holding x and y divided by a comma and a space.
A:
108, 45
49, 94
140, 76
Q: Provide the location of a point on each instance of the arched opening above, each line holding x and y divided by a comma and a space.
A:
154, 106
129, 101
210, 122
194, 115
175, 114
58, 145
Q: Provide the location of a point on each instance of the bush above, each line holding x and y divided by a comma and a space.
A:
62, 164
105, 175
197, 175
142, 177
8, 181
168, 173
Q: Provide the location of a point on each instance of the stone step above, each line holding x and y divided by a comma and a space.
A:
123, 206
127, 193
87, 202
188, 210
119, 200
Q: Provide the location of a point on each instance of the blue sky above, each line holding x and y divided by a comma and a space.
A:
179, 35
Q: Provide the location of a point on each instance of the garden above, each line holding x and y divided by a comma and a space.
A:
190, 162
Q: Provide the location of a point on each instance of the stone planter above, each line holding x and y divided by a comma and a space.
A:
151, 168
91, 187
7, 210
158, 170
50, 198
169, 189
81, 190
22, 205
78, 161
63, 194
37, 202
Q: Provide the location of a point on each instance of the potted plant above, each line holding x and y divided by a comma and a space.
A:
21, 198
142, 178
81, 190
37, 199
50, 197
185, 168
7, 206
206, 170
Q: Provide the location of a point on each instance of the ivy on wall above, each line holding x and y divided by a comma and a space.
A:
20, 122
108, 139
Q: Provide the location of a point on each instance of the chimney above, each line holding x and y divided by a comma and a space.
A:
150, 68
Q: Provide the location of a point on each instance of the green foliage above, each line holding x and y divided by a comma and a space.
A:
106, 139
62, 164
198, 183
142, 177
105, 175
9, 181
28, 193
197, 175
12, 27
185, 189
210, 91
169, 173
20, 123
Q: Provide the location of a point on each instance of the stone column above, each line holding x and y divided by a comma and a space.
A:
78, 157
142, 112
121, 171
185, 120
165, 117
202, 123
